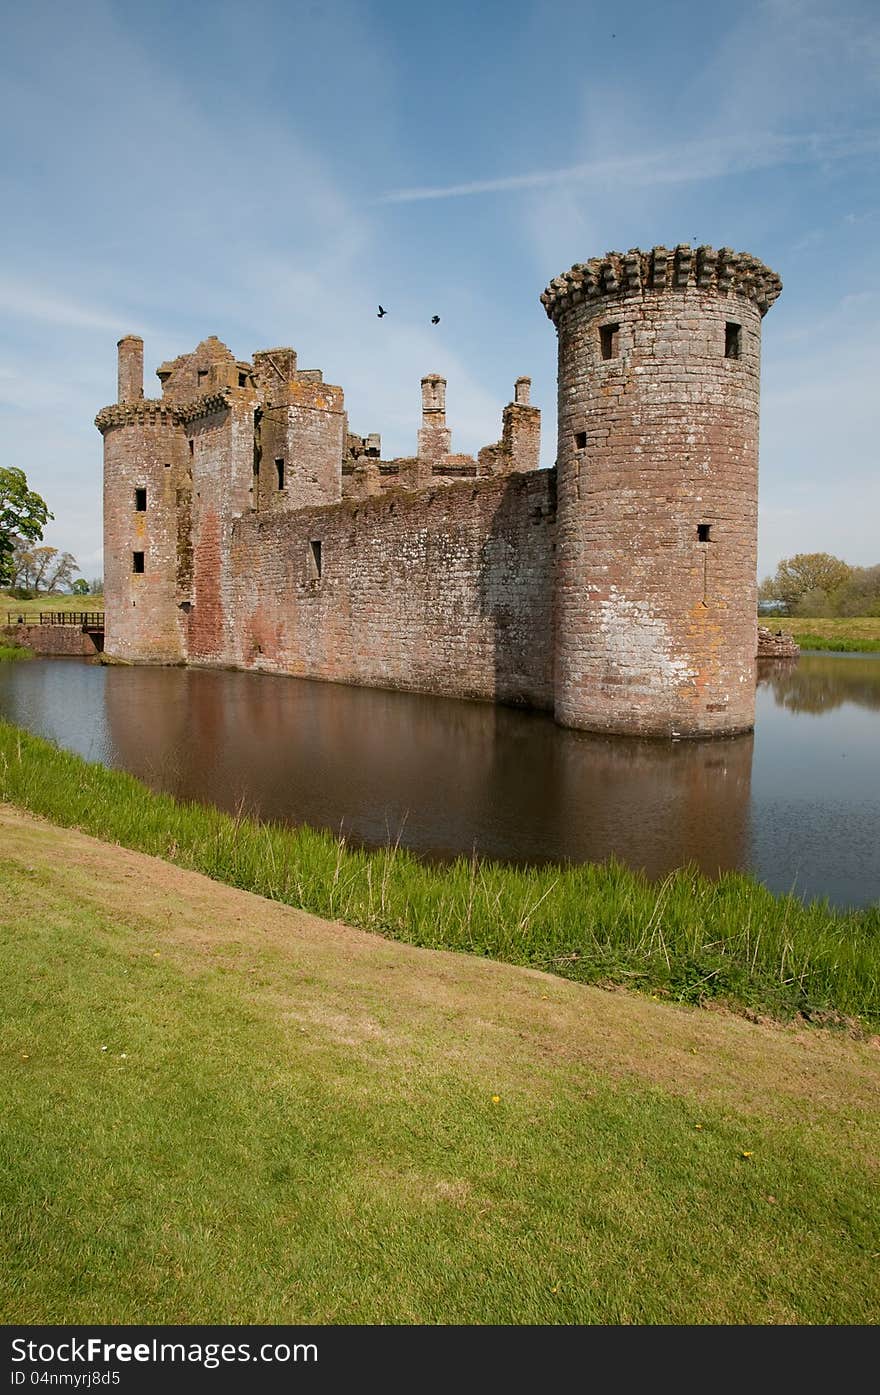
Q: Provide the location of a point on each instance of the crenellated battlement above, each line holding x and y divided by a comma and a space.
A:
156, 411
148, 411
635, 273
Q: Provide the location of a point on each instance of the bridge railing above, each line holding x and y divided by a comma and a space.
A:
80, 619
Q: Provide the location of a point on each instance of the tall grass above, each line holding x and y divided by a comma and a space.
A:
688, 938
10, 653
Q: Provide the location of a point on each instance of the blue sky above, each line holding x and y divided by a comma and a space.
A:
268, 172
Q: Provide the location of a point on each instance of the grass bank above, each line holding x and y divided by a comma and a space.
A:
855, 635
11, 653
687, 938
30, 610
217, 1109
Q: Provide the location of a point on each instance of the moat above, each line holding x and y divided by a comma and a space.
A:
797, 804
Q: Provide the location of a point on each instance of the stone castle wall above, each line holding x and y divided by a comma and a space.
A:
247, 525
449, 590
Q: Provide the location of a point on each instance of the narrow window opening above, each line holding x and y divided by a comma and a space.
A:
315, 549
580, 440
137, 562
140, 500
732, 340
704, 531
242, 380
202, 376
167, 464
279, 466
609, 336
192, 446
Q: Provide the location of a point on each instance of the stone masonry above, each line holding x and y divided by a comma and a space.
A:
246, 525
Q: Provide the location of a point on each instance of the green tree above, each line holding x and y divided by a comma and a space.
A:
23, 515
805, 572
80, 587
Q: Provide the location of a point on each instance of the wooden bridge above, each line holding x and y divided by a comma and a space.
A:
89, 621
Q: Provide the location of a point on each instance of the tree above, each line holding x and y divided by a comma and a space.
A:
80, 587
806, 571
23, 515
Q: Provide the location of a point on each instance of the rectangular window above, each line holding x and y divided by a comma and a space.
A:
192, 446
279, 466
732, 340
202, 376
140, 500
580, 440
242, 380
315, 551
704, 531
137, 562
609, 336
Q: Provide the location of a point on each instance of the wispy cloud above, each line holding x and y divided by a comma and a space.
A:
682, 164
30, 302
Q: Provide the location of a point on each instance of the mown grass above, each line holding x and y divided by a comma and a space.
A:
213, 1116
11, 653
30, 610
688, 938
845, 635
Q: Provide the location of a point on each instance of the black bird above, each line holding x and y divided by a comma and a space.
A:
435, 319
381, 313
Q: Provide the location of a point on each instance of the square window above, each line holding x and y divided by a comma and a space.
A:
580, 440
140, 500
137, 562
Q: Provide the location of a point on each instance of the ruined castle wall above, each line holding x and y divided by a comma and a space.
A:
447, 591
142, 618
221, 462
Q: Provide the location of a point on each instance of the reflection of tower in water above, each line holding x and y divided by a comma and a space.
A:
444, 776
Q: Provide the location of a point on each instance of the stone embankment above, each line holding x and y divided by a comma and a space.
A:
51, 639
776, 644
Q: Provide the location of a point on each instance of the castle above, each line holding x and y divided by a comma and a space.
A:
246, 526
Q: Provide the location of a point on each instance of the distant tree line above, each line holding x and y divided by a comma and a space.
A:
820, 586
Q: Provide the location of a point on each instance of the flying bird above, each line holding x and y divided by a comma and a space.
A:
381, 313
435, 319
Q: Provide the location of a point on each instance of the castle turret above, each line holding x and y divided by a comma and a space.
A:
659, 356
435, 437
142, 472
130, 369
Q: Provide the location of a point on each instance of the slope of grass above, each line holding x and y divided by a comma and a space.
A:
219, 1110
689, 938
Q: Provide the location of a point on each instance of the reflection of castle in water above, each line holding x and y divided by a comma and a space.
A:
446, 776
820, 683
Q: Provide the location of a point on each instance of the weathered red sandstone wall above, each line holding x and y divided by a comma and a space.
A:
51, 639
447, 591
141, 451
658, 461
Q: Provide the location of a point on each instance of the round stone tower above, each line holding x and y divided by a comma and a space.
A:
659, 357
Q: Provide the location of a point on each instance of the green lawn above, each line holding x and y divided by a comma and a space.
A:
858, 635
217, 1109
31, 609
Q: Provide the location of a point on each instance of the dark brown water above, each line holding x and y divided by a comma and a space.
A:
798, 804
